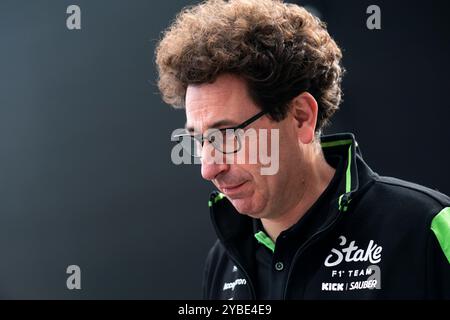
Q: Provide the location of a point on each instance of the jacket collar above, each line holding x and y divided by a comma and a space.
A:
233, 228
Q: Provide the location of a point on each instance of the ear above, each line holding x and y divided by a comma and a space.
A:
304, 109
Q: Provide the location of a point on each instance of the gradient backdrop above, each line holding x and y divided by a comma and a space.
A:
85, 170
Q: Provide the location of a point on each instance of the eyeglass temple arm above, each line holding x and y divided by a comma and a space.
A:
252, 119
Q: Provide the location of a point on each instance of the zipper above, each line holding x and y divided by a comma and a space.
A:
308, 243
345, 200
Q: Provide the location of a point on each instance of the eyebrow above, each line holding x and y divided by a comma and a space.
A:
217, 124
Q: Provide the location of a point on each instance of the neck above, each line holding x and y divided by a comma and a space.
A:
320, 174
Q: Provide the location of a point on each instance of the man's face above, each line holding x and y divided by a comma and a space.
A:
226, 103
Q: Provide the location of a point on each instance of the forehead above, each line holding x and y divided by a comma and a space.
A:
224, 100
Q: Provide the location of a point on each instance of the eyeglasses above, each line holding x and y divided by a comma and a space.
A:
225, 140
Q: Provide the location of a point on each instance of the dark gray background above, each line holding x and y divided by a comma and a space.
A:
85, 170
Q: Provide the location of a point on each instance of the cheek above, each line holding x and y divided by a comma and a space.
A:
258, 183
273, 186
264, 187
248, 172
290, 156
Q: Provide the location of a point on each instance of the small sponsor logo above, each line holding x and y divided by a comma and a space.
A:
232, 285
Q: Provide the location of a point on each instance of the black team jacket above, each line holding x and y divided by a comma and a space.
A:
366, 237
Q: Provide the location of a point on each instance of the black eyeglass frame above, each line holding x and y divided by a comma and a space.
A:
201, 138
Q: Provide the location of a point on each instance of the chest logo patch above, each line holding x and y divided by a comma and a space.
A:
366, 275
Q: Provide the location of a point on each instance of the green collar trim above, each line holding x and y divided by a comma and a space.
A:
336, 143
264, 239
343, 199
440, 225
217, 198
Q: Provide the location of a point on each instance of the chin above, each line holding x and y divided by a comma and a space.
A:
246, 207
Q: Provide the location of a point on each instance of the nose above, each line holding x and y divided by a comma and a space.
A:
212, 166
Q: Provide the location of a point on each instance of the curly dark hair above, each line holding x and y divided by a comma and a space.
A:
280, 49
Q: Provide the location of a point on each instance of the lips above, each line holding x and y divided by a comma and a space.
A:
231, 190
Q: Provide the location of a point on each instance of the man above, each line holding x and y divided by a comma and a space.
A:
325, 226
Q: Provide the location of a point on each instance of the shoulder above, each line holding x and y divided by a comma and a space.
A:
404, 213
406, 188
411, 199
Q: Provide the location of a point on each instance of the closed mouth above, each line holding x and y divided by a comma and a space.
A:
232, 188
